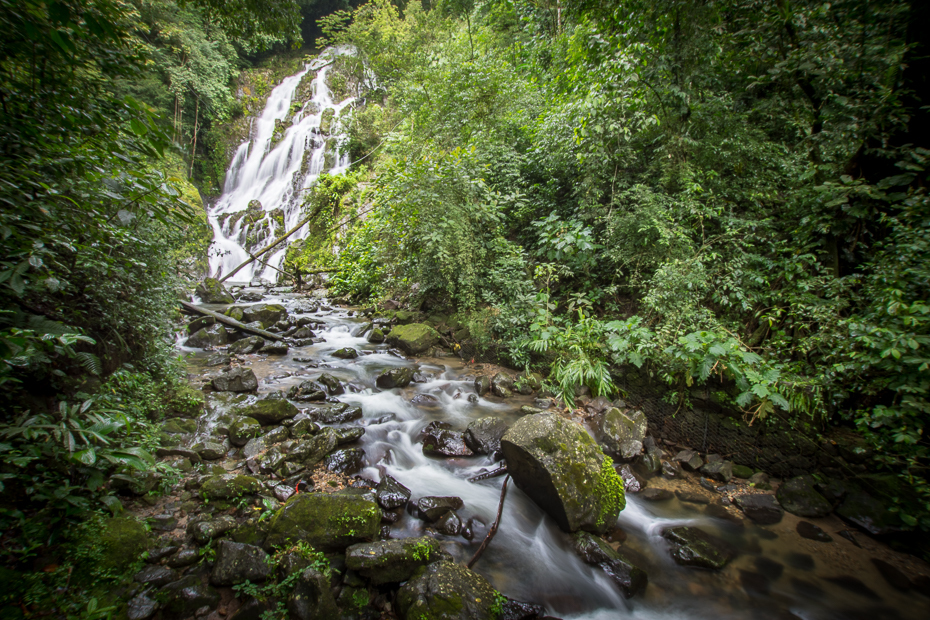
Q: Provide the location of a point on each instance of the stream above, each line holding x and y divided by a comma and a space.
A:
777, 574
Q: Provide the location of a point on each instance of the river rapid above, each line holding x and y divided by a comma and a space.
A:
777, 574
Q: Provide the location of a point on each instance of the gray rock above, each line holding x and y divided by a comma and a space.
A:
799, 497
346, 461
312, 598
863, 510
482, 385
616, 428
236, 380
483, 436
721, 471
448, 524
346, 353
211, 336
502, 385
338, 414
238, 562
632, 482
184, 597
395, 378
392, 494
694, 547
392, 561
205, 531
209, 450
141, 607
184, 557
689, 460
274, 348
229, 486
446, 591
439, 440
432, 507
812, 532
653, 494
761, 508
252, 344
630, 579
310, 451
348, 435
212, 291
559, 466
266, 314
157, 576
243, 429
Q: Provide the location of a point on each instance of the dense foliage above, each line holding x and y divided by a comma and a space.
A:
728, 193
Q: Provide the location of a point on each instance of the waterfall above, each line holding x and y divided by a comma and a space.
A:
286, 152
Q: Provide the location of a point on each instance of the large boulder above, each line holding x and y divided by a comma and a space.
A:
238, 562
691, 546
868, 513
395, 378
212, 291
556, 463
483, 436
413, 339
799, 497
123, 541
622, 433
502, 385
229, 486
760, 507
243, 429
252, 344
268, 411
183, 598
439, 440
629, 578
266, 314
392, 561
210, 336
326, 522
236, 380
447, 591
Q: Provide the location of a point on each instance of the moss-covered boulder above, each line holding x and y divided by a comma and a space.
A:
799, 497
556, 463
235, 313
244, 429
404, 317
266, 314
212, 291
327, 522
392, 561
238, 562
447, 591
229, 486
622, 432
252, 344
376, 336
178, 426
399, 377
269, 411
413, 339
123, 541
210, 336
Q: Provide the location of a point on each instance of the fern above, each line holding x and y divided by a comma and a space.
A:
89, 362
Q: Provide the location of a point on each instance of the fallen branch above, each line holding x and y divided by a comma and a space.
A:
222, 318
493, 530
275, 243
494, 473
292, 276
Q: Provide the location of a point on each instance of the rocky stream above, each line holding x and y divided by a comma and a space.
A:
362, 436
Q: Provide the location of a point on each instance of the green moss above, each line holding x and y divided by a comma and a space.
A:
124, 540
609, 486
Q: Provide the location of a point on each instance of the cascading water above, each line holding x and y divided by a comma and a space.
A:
287, 151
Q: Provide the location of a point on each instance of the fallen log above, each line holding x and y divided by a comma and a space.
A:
275, 243
494, 473
222, 318
493, 530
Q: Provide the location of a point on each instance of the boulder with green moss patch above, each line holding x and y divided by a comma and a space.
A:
267, 314
212, 291
327, 522
556, 463
269, 411
229, 486
210, 336
392, 561
447, 591
123, 541
244, 429
413, 339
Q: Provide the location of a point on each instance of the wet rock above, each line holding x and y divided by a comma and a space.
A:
185, 453
217, 359
347, 461
211, 336
160, 553
269, 411
312, 598
307, 391
759, 479
184, 597
212, 291
209, 450
141, 607
502, 385
812, 532
518, 610
236, 380
180, 427
205, 531
689, 459
243, 429
229, 486
617, 429
432, 507
274, 348
446, 591
338, 414
630, 579
156, 576
438, 440
799, 497
304, 426
448, 524
163, 522
184, 557
376, 336
392, 494
310, 451
303, 333
559, 466
252, 344
325, 521
283, 492
671, 469
761, 508
392, 561
632, 482
333, 386
708, 484
483, 436
345, 353
348, 435
395, 378
721, 471
868, 513
742, 472
276, 435
266, 314
237, 562
413, 339
482, 385
695, 547
656, 495
691, 498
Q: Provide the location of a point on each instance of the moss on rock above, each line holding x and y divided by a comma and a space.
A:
327, 522
413, 339
123, 540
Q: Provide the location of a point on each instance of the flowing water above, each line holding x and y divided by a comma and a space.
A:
776, 574
277, 173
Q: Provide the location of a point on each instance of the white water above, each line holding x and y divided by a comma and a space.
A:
273, 175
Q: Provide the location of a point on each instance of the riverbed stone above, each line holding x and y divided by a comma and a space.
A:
307, 391
692, 546
338, 414
812, 532
632, 482
157, 576
482, 385
237, 379
229, 486
413, 339
325, 521
395, 378
310, 451
243, 429
348, 435
210, 336
653, 494
449, 524
721, 471
205, 531
392, 561
333, 385
556, 463
345, 353
212, 291
141, 607
868, 513
689, 460
392, 494
446, 591
209, 450
432, 507
483, 436
346, 461
630, 579
438, 440
184, 597
238, 562
268, 411
312, 598
274, 348
502, 385
266, 314
799, 497
618, 429
251, 344
375, 336
760, 507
